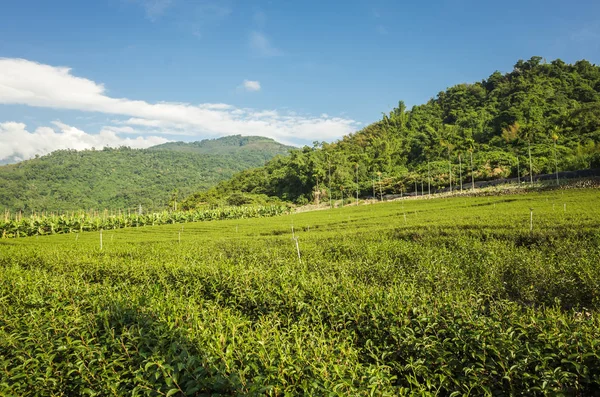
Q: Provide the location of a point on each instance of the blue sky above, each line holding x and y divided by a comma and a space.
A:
139, 72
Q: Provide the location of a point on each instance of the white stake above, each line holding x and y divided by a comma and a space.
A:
565, 207
100, 239
297, 249
531, 219
179, 237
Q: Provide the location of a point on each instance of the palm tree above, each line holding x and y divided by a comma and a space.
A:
510, 134
530, 166
527, 134
317, 194
555, 138
356, 168
428, 180
373, 187
472, 176
380, 191
449, 146
460, 171
329, 167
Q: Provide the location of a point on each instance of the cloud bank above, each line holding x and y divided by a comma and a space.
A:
33, 84
18, 144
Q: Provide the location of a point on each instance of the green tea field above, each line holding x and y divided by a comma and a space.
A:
457, 296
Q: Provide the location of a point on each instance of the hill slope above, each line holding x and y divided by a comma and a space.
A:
255, 146
541, 106
124, 178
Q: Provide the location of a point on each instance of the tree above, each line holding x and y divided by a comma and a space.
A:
449, 147
356, 168
380, 189
510, 135
527, 134
329, 179
470, 149
555, 138
497, 117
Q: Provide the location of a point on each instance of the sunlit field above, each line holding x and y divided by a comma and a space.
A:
455, 296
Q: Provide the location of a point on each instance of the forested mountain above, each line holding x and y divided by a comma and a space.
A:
538, 106
125, 178
255, 146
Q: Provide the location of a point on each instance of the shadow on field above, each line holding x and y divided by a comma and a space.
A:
515, 235
158, 357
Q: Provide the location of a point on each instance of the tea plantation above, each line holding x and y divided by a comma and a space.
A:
458, 296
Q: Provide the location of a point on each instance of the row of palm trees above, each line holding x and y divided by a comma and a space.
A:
511, 130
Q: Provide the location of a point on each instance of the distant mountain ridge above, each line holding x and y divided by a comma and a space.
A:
119, 178
228, 144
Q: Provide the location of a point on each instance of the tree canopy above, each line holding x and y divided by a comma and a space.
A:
494, 120
126, 178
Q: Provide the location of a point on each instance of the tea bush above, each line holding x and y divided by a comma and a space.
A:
452, 296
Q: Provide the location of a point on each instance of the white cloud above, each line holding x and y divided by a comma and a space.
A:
119, 130
143, 122
17, 143
262, 46
155, 8
251, 85
33, 84
266, 113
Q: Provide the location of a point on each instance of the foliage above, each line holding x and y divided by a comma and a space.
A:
40, 225
125, 178
495, 120
445, 297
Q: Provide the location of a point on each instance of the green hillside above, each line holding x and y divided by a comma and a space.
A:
125, 178
256, 145
538, 106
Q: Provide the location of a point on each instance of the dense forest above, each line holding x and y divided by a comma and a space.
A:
539, 117
123, 178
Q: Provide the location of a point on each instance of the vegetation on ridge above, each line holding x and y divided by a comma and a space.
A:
551, 109
125, 178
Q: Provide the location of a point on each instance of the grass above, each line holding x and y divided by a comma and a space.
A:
458, 298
